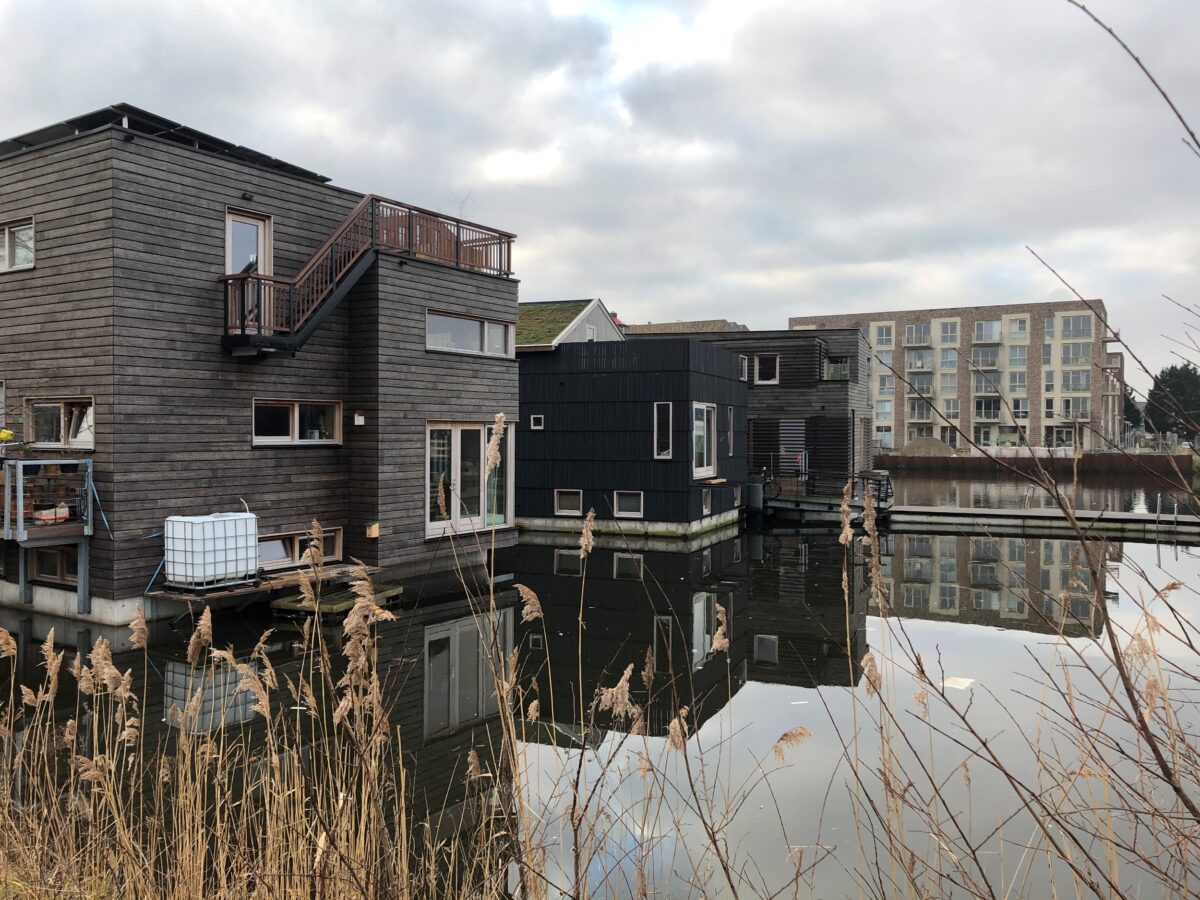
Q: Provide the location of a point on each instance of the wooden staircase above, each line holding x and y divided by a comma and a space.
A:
265, 314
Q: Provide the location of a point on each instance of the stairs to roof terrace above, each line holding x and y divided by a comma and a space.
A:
266, 314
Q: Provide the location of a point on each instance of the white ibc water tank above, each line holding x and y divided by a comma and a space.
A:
209, 551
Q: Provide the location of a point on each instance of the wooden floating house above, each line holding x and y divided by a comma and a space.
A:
651, 435
191, 327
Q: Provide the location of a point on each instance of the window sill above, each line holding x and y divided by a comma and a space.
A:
766, 383
498, 529
475, 353
68, 447
19, 269
277, 444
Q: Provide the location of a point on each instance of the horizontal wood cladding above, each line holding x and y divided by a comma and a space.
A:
597, 403
124, 306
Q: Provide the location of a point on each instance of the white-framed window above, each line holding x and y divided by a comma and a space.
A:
627, 566
706, 501
1077, 380
460, 660
282, 551
951, 408
247, 243
590, 333
1020, 407
455, 460
1049, 408
766, 368
1018, 329
279, 422
949, 360
950, 332
887, 385
918, 359
704, 440
883, 335
537, 423
985, 357
569, 563
744, 367
568, 502
1048, 381
464, 334
1017, 382
1076, 327
69, 424
729, 430
1047, 354
948, 383
884, 358
627, 504
883, 436
1050, 326
988, 331
916, 334
1077, 407
1018, 356
1076, 354
16, 245
662, 430
766, 649
883, 409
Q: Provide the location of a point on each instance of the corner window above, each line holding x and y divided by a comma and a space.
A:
766, 368
460, 334
568, 502
704, 440
744, 367
627, 504
16, 245
61, 423
278, 422
662, 431
537, 423
627, 566
282, 551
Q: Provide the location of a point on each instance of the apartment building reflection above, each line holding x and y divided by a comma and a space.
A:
1042, 585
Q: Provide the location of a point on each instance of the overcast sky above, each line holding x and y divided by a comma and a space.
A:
687, 159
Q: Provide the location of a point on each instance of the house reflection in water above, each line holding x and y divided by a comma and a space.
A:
1031, 584
787, 624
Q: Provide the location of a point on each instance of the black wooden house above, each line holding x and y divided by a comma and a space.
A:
189, 325
649, 434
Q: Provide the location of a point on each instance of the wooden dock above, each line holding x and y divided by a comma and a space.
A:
1174, 527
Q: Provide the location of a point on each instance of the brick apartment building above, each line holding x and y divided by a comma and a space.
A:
1039, 373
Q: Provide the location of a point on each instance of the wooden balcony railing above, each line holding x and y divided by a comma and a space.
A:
272, 306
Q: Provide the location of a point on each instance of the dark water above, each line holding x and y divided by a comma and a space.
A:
983, 613
1096, 493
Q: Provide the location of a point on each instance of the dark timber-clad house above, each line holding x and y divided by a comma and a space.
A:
808, 403
194, 325
649, 434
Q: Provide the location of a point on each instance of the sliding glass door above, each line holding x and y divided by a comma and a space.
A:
458, 491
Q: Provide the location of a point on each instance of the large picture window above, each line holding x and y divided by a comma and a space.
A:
16, 245
460, 334
474, 498
704, 440
278, 422
61, 423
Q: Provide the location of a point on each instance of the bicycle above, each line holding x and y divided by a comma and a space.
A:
770, 487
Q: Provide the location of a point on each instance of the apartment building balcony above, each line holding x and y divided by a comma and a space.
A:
47, 500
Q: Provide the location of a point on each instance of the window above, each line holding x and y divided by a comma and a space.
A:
883, 335
53, 565
916, 335
766, 649
1076, 354
537, 423
919, 410
884, 357
949, 332
948, 383
883, 437
984, 383
948, 596
296, 422
282, 551
766, 368
1017, 357
459, 334
461, 495
706, 501
948, 434
61, 423
916, 596
1049, 407
1016, 551
918, 359
737, 504
1016, 382
627, 566
883, 409
627, 504
986, 600
1077, 380
948, 548
568, 502
704, 440
949, 359
1077, 407
1048, 381
662, 430
569, 563
3, 418
1018, 329
988, 331
590, 333
985, 357
460, 658
1076, 327
1047, 555
729, 430
987, 408
951, 408
1020, 407
706, 562
838, 368
1050, 326
948, 570
1047, 355
920, 384
16, 245
919, 431
744, 367
887, 385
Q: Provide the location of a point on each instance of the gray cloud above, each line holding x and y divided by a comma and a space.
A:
685, 160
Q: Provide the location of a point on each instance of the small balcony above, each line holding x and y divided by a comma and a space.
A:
47, 499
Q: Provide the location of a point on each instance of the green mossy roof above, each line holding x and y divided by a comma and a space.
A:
541, 323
